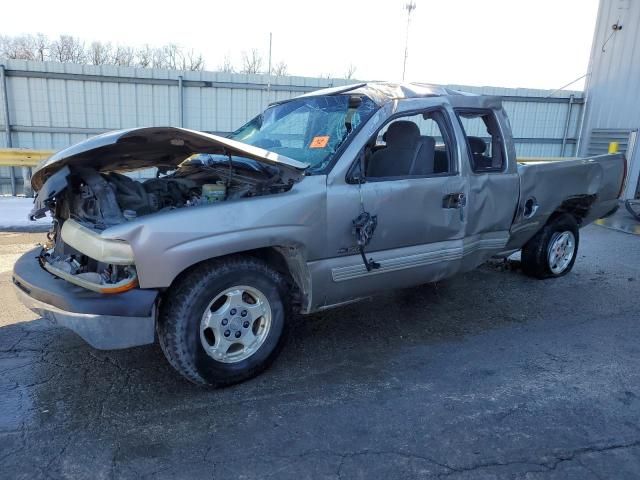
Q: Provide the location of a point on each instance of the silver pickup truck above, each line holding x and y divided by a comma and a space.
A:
319, 201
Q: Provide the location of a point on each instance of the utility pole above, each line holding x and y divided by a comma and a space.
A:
410, 6
269, 77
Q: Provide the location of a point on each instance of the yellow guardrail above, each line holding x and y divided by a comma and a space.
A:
22, 157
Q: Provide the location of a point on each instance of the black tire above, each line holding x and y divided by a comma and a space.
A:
535, 254
186, 301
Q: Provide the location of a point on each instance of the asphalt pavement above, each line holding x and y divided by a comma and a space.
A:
486, 375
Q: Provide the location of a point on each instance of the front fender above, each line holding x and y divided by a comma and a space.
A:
160, 270
165, 244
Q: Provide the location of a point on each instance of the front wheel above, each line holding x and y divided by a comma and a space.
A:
553, 250
224, 321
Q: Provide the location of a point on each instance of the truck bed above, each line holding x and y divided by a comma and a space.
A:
590, 185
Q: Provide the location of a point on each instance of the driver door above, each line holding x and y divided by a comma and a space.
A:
419, 204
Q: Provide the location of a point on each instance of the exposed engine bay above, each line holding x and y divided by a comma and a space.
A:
100, 200
91, 201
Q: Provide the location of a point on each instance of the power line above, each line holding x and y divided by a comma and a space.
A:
565, 86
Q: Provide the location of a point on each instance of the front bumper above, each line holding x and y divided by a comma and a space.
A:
104, 321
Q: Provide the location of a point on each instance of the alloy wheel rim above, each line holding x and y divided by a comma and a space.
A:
235, 324
562, 248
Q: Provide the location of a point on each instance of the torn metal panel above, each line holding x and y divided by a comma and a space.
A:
299, 270
55, 185
589, 187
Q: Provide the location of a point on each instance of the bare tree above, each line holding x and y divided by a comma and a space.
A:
227, 65
144, 56
172, 56
351, 70
124, 56
251, 62
21, 47
193, 61
5, 46
280, 69
42, 47
158, 59
7, 49
25, 47
68, 49
100, 53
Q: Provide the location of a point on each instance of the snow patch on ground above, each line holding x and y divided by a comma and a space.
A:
13, 215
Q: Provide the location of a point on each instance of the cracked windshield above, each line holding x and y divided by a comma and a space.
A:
310, 129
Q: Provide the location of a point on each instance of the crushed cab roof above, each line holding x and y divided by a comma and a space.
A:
383, 92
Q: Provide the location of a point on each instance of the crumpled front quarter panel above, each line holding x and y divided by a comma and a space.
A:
167, 243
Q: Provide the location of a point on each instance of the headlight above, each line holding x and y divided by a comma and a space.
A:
85, 240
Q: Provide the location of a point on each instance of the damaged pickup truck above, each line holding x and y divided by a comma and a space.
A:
319, 201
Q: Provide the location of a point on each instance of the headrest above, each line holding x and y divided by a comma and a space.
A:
477, 145
402, 132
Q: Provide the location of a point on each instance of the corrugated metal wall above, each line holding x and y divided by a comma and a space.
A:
53, 105
613, 86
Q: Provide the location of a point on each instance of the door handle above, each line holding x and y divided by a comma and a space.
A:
454, 200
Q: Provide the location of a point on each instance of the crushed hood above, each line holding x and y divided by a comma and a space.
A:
137, 148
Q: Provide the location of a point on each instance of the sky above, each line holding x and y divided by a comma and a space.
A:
504, 43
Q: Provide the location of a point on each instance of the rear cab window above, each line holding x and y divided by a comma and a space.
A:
484, 140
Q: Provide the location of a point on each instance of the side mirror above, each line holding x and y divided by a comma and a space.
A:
355, 179
355, 174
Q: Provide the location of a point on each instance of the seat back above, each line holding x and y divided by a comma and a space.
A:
478, 149
399, 156
424, 162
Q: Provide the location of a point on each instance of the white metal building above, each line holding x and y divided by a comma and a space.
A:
48, 105
612, 90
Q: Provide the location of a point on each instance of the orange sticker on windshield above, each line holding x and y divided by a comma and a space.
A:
319, 142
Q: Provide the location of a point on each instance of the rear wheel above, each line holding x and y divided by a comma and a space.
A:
224, 321
553, 250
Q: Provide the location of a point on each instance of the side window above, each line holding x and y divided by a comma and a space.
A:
414, 145
485, 144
